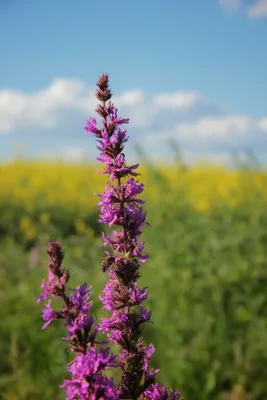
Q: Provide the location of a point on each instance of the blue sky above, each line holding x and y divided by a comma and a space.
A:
193, 71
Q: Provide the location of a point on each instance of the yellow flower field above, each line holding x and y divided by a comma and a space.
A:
23, 182
35, 187
206, 274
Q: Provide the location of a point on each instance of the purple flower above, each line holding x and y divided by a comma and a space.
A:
121, 209
159, 392
87, 369
47, 291
87, 380
112, 113
91, 126
48, 315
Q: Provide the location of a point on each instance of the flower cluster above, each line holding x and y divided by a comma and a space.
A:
88, 381
120, 207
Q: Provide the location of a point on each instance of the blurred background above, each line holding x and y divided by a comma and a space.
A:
191, 75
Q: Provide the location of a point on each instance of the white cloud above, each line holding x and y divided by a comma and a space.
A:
137, 106
62, 108
263, 124
178, 101
73, 154
41, 109
213, 127
207, 131
12, 104
130, 98
211, 157
230, 5
47, 108
258, 9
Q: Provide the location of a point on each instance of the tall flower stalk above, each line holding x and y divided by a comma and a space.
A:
88, 380
122, 210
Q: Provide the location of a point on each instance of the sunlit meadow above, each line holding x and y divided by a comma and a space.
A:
207, 274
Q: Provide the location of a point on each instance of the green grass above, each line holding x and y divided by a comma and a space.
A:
207, 279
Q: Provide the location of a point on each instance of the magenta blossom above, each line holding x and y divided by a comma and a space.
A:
122, 210
87, 369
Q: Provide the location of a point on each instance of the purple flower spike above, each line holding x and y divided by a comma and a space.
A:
87, 369
122, 210
87, 381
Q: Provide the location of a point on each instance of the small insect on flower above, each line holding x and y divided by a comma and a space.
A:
106, 263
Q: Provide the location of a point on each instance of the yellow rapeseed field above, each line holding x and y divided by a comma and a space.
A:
35, 187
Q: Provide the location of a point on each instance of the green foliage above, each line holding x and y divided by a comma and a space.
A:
207, 280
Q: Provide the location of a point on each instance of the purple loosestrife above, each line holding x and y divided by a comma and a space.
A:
88, 381
121, 209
